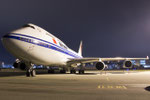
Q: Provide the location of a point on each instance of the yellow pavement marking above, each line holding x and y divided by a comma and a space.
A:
110, 87
124, 87
103, 86
118, 87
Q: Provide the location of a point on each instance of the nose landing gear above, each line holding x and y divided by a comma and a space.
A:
30, 71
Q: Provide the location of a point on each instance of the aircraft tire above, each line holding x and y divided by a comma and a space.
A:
63, 71
81, 71
28, 74
72, 71
33, 73
51, 71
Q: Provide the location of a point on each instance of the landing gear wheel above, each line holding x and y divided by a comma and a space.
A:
51, 71
28, 73
29, 69
63, 71
73, 71
81, 71
33, 73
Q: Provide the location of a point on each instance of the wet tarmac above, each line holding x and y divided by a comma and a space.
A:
95, 85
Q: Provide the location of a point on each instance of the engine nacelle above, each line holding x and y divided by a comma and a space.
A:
127, 64
100, 65
19, 65
16, 65
22, 66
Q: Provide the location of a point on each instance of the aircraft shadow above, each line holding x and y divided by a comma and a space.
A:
7, 74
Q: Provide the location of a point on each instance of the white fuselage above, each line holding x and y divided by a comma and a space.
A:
34, 44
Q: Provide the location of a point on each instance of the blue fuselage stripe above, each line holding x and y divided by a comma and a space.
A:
41, 43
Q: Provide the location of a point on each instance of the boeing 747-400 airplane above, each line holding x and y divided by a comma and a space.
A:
31, 45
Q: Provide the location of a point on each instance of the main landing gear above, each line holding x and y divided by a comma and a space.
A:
63, 71
72, 71
81, 69
52, 71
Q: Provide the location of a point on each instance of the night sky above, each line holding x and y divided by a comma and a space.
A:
108, 28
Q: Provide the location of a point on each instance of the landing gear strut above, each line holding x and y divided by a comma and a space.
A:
63, 71
72, 71
51, 71
30, 72
81, 70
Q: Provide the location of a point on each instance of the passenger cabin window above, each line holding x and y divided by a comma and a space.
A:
62, 45
29, 26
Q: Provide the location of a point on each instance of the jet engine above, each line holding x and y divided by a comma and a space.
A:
19, 65
128, 64
22, 66
16, 65
100, 65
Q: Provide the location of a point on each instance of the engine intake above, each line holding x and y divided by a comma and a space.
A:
19, 65
16, 65
22, 66
127, 64
100, 65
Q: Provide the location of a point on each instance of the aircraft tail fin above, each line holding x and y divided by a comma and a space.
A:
80, 49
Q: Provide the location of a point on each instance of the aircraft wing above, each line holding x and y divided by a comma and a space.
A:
90, 60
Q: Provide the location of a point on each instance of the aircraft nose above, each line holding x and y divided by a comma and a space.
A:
5, 40
3, 37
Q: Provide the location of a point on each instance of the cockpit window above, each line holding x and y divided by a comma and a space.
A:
29, 26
